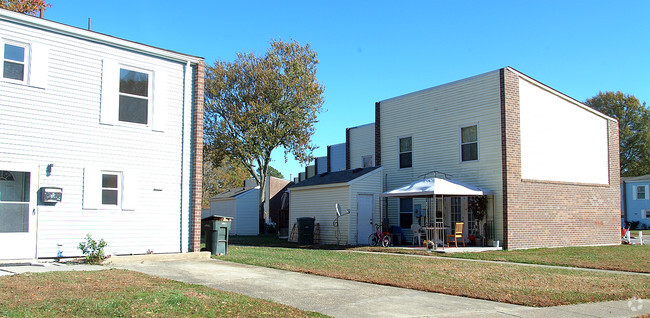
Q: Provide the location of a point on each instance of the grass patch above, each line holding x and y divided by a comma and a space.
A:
631, 258
524, 285
120, 293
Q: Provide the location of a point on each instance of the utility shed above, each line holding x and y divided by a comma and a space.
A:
357, 190
241, 204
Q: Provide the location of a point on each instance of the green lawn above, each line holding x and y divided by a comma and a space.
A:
119, 293
525, 285
632, 258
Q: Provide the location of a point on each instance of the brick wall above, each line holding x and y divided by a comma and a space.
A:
377, 136
548, 214
198, 72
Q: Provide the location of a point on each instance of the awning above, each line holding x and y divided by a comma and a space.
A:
435, 186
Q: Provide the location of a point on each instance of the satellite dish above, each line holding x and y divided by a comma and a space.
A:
338, 209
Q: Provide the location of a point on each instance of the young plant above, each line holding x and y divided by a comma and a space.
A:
93, 250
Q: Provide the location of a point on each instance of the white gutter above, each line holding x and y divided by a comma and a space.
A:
24, 19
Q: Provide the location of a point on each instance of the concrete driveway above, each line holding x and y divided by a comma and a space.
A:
342, 298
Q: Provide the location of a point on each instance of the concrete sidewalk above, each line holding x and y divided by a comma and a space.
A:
342, 298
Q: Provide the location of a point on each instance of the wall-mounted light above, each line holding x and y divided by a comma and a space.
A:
51, 195
48, 170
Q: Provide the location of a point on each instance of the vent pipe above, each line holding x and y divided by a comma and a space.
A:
88, 24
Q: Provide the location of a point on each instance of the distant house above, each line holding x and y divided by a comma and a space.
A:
636, 200
551, 161
357, 190
100, 136
241, 204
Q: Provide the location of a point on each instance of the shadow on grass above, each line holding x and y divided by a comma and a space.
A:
272, 240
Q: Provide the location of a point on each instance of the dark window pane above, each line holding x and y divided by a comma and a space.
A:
405, 220
133, 109
109, 197
405, 144
406, 204
14, 53
13, 71
470, 152
109, 181
405, 160
469, 134
134, 83
14, 218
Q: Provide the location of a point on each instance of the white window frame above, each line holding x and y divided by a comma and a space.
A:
399, 211
26, 62
119, 189
150, 79
635, 191
363, 159
460, 140
399, 152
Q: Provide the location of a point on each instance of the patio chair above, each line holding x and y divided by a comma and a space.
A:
458, 234
416, 229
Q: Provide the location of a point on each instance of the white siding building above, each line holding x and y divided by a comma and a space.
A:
241, 204
110, 124
551, 162
356, 189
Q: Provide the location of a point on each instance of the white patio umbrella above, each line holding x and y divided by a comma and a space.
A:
429, 188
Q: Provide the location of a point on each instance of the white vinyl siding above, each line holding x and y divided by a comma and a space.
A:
433, 117
33, 60
362, 145
60, 125
561, 140
247, 217
319, 203
243, 208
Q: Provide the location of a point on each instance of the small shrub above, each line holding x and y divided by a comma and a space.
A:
93, 250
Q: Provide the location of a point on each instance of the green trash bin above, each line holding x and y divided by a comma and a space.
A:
217, 231
305, 230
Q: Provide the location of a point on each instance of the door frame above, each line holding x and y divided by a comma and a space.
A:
363, 240
31, 235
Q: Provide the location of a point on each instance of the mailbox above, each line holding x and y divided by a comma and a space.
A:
51, 195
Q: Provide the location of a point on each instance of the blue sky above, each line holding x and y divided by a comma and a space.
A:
373, 50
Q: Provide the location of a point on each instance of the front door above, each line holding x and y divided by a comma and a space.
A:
364, 218
18, 197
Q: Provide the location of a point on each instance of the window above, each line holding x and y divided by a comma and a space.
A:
367, 161
14, 66
469, 143
405, 212
646, 214
134, 97
640, 193
110, 189
455, 211
405, 152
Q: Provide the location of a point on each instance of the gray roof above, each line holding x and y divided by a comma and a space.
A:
231, 193
333, 177
637, 178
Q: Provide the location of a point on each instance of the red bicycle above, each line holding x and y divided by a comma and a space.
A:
379, 237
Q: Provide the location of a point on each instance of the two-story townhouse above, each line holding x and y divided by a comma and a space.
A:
550, 161
98, 135
636, 200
